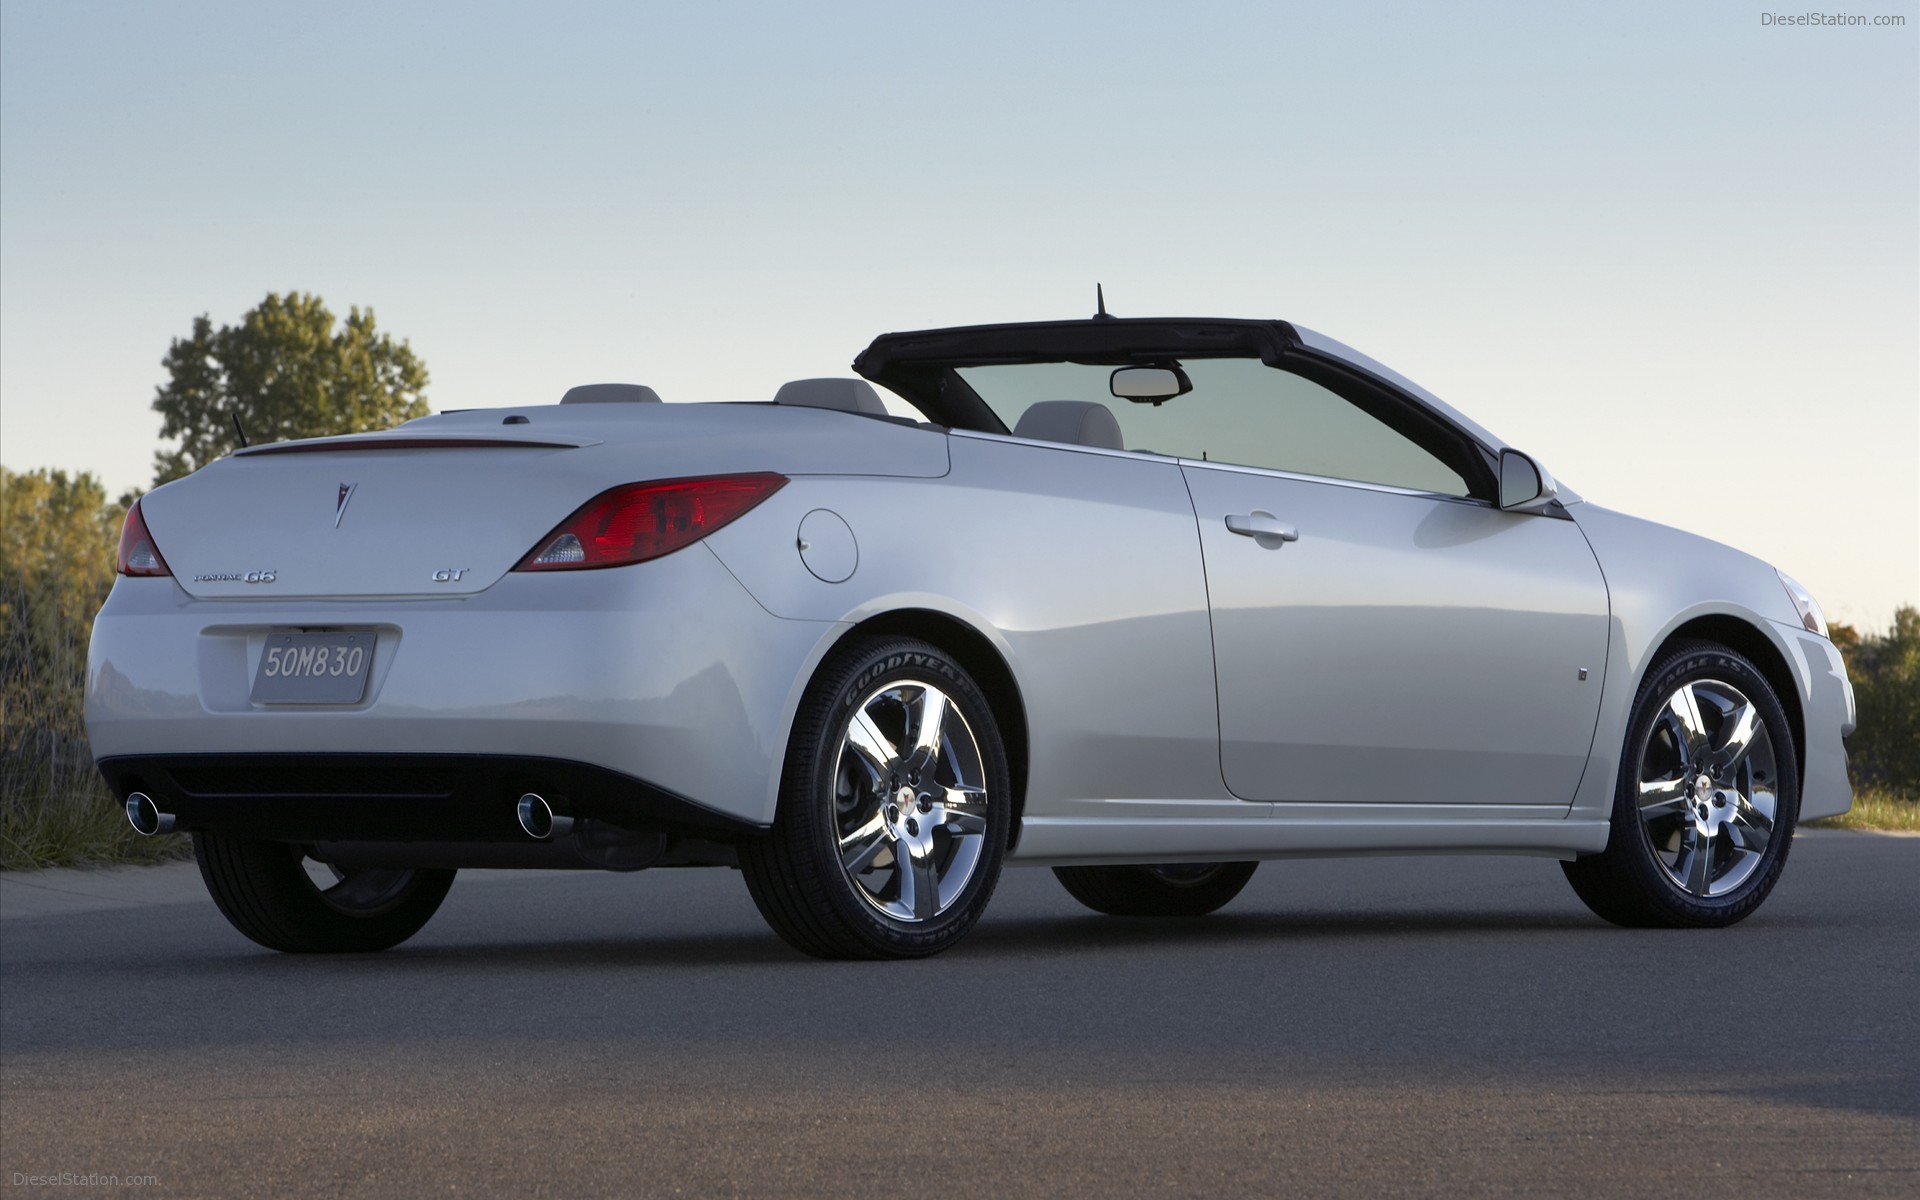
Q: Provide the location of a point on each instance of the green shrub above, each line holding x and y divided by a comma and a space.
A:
1884, 751
57, 538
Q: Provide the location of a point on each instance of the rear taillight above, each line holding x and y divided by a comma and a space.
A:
638, 521
138, 554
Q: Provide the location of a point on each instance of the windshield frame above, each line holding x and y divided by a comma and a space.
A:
922, 368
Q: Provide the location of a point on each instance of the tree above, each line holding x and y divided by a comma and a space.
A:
57, 539
1885, 669
285, 372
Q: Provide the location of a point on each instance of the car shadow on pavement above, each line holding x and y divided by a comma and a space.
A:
1095, 932
1018, 937
637, 950
993, 938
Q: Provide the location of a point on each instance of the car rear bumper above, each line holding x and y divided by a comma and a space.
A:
398, 797
666, 672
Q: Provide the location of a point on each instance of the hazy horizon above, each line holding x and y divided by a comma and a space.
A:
1672, 252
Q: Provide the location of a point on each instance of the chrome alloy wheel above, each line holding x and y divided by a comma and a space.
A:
910, 801
1707, 788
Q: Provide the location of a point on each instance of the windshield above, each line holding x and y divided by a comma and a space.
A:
1239, 411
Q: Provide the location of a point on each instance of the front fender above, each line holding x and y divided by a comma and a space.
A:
1661, 580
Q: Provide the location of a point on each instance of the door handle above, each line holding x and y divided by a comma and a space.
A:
1263, 527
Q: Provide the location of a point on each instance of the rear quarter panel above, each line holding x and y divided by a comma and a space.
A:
1082, 569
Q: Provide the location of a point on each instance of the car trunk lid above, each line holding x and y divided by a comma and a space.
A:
434, 519
447, 505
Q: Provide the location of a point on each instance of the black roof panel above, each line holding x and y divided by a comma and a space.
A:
1114, 340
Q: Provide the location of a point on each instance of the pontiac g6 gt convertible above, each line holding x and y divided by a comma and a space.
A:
1145, 601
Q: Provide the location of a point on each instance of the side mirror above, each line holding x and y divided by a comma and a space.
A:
1525, 485
1149, 385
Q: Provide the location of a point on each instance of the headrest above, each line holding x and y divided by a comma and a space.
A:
1080, 422
846, 395
610, 393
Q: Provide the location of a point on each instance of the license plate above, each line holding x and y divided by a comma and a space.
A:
314, 668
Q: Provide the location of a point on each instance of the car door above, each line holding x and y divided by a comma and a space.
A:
1382, 635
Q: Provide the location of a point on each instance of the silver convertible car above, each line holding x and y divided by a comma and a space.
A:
1145, 601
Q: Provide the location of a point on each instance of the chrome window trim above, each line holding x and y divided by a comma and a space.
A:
1103, 451
1302, 477
1210, 465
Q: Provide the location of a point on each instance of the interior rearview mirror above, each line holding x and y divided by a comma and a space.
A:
1525, 485
1150, 385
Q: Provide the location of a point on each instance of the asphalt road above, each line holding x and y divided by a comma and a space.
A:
1365, 1027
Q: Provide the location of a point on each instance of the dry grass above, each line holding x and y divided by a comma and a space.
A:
55, 811
1880, 810
56, 566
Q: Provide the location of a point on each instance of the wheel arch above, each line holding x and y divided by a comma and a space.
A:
982, 660
1752, 643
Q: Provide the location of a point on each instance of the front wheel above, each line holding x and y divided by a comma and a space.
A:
266, 891
1707, 799
1167, 890
894, 808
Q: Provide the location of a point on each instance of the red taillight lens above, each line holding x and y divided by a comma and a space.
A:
638, 521
138, 554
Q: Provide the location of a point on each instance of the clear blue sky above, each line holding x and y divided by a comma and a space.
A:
1670, 250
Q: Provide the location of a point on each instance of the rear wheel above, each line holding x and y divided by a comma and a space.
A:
1165, 890
1707, 799
269, 893
894, 808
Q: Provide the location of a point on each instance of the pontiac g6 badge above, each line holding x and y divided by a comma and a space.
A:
236, 577
340, 504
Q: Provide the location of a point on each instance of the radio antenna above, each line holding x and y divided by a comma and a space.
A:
237, 429
1100, 304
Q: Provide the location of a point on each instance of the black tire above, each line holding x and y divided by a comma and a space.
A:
1630, 883
795, 872
1170, 890
263, 890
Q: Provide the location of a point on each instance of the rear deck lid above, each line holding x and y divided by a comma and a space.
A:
396, 517
446, 505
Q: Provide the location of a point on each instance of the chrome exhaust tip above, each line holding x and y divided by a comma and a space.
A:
538, 819
145, 816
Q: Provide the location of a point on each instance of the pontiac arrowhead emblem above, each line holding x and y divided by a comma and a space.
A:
340, 505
